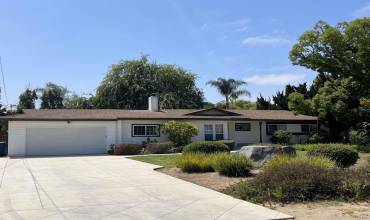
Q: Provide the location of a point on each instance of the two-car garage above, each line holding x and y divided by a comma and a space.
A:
29, 138
64, 141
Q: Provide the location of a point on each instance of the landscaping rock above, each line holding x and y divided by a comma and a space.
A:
259, 154
290, 150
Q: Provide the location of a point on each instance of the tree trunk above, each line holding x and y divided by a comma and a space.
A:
227, 102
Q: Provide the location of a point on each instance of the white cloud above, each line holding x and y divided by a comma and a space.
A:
363, 12
265, 40
276, 79
238, 25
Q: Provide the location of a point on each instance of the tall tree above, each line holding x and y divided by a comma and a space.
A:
229, 88
129, 83
75, 101
341, 56
27, 99
52, 96
237, 104
263, 103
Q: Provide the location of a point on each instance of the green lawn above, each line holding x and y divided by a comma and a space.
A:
161, 160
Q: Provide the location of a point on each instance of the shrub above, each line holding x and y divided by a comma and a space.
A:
361, 139
358, 137
180, 133
195, 163
229, 143
159, 148
206, 147
314, 138
288, 179
363, 148
343, 155
280, 137
356, 183
232, 164
283, 160
127, 149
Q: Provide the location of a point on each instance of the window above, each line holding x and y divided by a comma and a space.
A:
308, 128
208, 132
242, 126
271, 128
219, 128
145, 131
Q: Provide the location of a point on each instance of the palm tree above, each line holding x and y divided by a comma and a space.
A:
230, 88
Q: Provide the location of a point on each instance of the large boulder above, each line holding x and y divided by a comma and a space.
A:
261, 154
290, 150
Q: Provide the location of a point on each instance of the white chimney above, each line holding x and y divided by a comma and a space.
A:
153, 104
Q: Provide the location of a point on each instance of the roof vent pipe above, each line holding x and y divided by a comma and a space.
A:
153, 103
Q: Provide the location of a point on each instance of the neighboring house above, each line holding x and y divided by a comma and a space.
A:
83, 131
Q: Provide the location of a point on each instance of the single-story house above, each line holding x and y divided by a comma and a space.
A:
93, 131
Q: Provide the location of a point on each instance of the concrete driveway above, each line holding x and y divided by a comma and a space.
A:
110, 187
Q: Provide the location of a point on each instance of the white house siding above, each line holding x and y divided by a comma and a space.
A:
17, 132
127, 138
245, 137
126, 133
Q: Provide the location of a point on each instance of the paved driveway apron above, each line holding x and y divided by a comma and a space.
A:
110, 187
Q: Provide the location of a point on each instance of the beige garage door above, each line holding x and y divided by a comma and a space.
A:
65, 141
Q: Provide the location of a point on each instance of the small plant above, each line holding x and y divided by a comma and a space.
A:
343, 155
127, 149
314, 138
180, 133
206, 147
111, 150
280, 137
232, 164
361, 139
195, 163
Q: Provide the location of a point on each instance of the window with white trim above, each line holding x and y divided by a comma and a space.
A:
140, 130
208, 132
271, 128
219, 131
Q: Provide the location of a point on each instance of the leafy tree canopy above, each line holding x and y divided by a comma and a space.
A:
27, 99
129, 83
75, 101
341, 56
52, 96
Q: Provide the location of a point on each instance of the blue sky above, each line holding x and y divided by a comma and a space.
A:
73, 42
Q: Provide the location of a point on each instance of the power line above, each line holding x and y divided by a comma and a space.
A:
2, 73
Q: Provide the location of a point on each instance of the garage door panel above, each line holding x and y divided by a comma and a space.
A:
64, 141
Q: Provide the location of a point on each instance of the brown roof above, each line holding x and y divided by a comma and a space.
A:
191, 114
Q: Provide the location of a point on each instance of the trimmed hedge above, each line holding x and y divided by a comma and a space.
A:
205, 147
229, 143
127, 149
343, 155
159, 148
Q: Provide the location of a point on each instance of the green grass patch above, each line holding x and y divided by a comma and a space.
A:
161, 160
